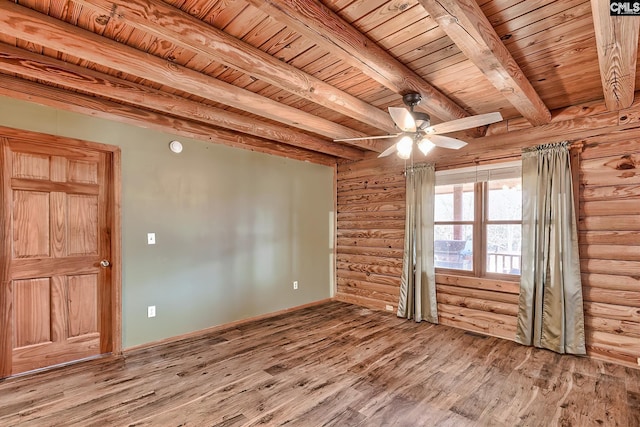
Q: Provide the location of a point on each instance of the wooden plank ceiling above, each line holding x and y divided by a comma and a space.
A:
289, 76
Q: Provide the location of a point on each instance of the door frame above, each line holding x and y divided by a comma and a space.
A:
113, 343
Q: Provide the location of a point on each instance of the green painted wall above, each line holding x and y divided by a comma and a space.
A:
233, 227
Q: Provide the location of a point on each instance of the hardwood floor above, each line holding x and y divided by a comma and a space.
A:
334, 365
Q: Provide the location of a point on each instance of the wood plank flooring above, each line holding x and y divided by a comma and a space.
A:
334, 364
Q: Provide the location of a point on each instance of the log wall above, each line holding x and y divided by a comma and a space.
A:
609, 240
370, 203
370, 234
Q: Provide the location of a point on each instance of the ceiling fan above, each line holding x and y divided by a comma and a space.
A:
417, 130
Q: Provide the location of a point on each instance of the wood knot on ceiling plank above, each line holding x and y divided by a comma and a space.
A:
102, 20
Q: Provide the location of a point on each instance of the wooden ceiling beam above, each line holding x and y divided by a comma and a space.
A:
14, 87
180, 28
617, 43
28, 64
468, 27
26, 24
317, 22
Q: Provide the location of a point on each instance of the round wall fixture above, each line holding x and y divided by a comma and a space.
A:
175, 146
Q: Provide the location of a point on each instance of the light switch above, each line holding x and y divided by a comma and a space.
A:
151, 238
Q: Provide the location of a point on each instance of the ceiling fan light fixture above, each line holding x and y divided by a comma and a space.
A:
425, 146
404, 147
404, 156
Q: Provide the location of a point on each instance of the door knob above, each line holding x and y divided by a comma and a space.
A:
104, 263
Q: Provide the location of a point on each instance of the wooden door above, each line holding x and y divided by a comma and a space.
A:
57, 297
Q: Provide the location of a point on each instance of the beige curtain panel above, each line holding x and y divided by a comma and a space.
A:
550, 308
418, 283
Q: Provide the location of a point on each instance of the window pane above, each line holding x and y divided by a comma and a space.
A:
454, 202
505, 199
503, 248
453, 247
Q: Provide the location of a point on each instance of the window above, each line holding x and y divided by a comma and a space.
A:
478, 220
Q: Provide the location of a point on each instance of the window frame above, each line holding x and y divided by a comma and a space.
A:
479, 233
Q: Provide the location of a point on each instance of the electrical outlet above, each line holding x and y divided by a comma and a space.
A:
151, 238
295, 284
151, 311
389, 307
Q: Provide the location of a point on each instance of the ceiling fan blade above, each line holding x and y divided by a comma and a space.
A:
464, 123
367, 137
446, 141
403, 119
388, 151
